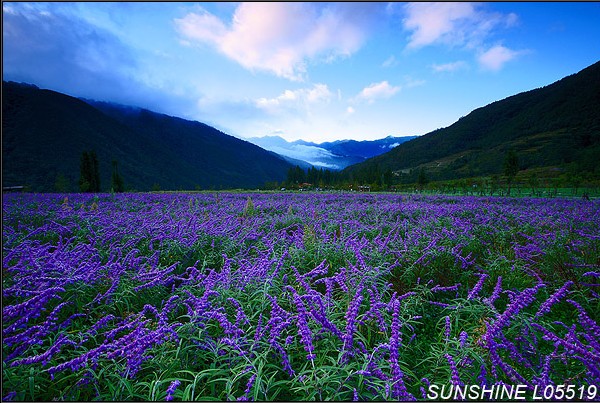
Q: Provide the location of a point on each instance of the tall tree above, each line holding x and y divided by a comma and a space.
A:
89, 172
388, 176
85, 172
422, 179
117, 184
95, 179
62, 183
511, 167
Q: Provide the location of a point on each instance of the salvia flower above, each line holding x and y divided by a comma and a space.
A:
455, 378
10, 396
302, 323
248, 389
171, 390
447, 328
463, 337
475, 291
514, 307
482, 377
399, 388
439, 288
351, 315
588, 323
569, 346
496, 293
553, 299
442, 304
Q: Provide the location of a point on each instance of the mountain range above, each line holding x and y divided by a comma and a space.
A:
556, 126
44, 134
334, 155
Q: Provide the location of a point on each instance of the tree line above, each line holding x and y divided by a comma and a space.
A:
373, 178
89, 174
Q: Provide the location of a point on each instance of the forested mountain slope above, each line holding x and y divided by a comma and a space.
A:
44, 134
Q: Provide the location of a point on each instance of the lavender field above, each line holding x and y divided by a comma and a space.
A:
296, 296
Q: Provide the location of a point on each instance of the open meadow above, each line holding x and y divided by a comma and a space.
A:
297, 296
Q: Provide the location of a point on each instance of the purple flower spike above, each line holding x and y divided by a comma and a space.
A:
399, 388
482, 377
475, 291
554, 298
351, 315
171, 390
249, 385
448, 328
514, 307
303, 328
463, 337
588, 323
496, 293
455, 378
9, 396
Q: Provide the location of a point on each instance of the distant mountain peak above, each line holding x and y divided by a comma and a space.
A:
334, 155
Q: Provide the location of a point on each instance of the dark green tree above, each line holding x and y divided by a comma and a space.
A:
532, 180
295, 176
62, 183
85, 172
388, 176
422, 179
494, 184
89, 172
117, 184
95, 179
511, 167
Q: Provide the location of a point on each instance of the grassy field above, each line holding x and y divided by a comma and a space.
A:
296, 296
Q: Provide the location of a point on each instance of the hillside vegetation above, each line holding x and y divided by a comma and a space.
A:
553, 132
44, 134
554, 126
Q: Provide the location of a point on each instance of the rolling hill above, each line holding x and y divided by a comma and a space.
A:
45, 132
553, 126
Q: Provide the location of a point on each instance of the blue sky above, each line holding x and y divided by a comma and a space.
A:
312, 71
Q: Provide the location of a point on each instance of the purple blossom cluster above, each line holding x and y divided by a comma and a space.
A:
306, 280
171, 390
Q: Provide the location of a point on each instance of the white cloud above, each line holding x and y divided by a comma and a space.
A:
201, 26
464, 25
350, 110
319, 92
295, 99
449, 67
280, 37
436, 22
453, 24
381, 90
494, 58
